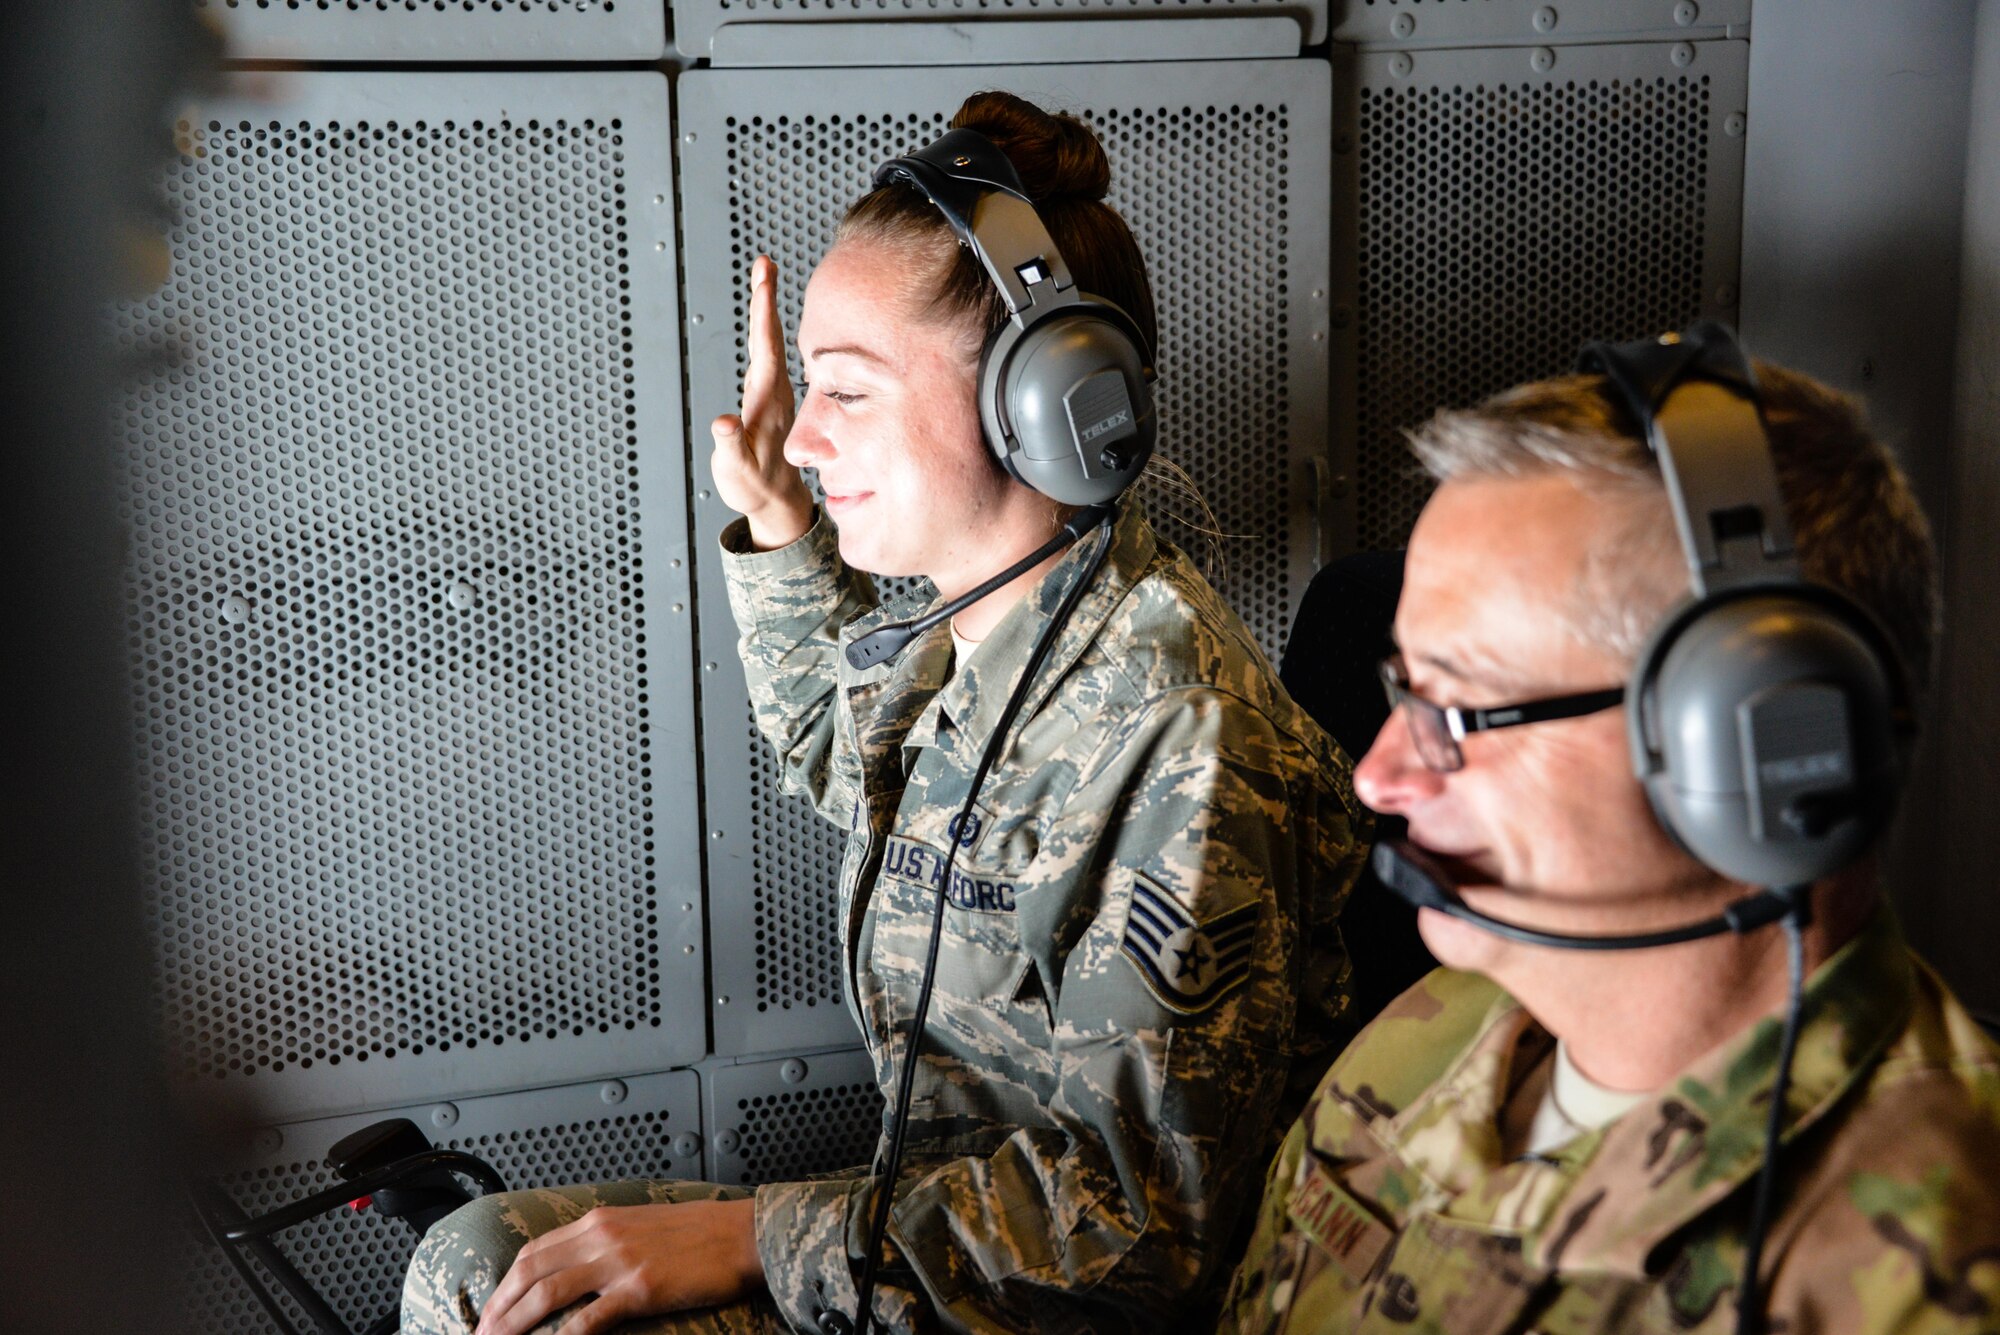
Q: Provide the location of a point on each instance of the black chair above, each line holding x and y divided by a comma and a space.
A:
390, 1167
1340, 635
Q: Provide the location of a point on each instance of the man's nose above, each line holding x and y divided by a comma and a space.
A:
1392, 778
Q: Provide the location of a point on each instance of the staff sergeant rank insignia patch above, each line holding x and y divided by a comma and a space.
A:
1188, 965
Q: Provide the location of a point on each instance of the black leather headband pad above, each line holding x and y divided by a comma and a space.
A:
978, 191
1732, 519
953, 173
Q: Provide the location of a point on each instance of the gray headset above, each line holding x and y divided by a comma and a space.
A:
1770, 716
1065, 385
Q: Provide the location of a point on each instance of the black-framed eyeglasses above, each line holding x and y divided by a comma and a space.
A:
1438, 729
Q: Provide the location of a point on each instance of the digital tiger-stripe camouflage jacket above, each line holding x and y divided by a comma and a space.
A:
1141, 973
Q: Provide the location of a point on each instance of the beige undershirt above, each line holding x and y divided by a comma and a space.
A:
1574, 1104
961, 648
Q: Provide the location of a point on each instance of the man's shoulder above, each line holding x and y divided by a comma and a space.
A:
1901, 1203
1930, 1109
1416, 1040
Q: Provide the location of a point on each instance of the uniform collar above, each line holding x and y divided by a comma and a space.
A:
977, 693
1675, 1157
1610, 1198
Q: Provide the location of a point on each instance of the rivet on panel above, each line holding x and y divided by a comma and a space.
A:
461, 595
715, 834
1404, 25
696, 318
704, 495
792, 1071
727, 1141
688, 138
235, 608
687, 906
659, 245
1319, 335
1319, 294
612, 1091
1686, 12
722, 1001
1543, 60
1401, 65
269, 1141
679, 608
708, 667
673, 563
1735, 124
687, 950
686, 1145
1545, 19
444, 1114
659, 199
1683, 54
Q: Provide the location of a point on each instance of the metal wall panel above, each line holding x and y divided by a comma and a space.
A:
439, 30
786, 1120
1493, 22
1513, 204
641, 1127
1222, 170
697, 23
409, 596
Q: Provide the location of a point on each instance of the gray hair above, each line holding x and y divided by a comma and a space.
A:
1856, 522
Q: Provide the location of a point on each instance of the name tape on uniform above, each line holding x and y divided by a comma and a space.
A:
1338, 1224
918, 864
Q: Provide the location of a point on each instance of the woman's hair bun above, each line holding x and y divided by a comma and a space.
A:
1057, 155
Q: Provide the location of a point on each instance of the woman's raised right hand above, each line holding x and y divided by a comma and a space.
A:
749, 467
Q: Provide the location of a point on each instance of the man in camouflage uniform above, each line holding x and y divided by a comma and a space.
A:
1141, 974
1450, 1174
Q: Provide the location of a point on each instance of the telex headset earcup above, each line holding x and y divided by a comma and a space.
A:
1763, 733
1065, 403
1768, 714
1065, 385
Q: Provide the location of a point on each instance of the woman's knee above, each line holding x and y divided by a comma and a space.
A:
459, 1263
464, 1256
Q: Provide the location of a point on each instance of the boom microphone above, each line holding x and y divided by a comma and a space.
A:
885, 642
1416, 879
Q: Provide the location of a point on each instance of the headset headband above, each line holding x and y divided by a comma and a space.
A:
1695, 398
980, 194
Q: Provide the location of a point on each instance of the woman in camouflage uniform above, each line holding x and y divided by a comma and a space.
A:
1140, 966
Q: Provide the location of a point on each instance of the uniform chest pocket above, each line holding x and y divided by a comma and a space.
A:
1452, 1280
980, 959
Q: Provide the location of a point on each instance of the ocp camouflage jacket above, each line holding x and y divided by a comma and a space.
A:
1140, 954
1392, 1208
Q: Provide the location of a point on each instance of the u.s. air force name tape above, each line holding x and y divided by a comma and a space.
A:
921, 865
1188, 965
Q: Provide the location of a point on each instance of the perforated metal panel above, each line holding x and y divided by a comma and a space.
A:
539, 30
409, 603
1508, 213
1492, 21
696, 22
645, 1126
1221, 168
787, 1120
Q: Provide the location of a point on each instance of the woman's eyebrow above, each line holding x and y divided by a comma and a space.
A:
848, 350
